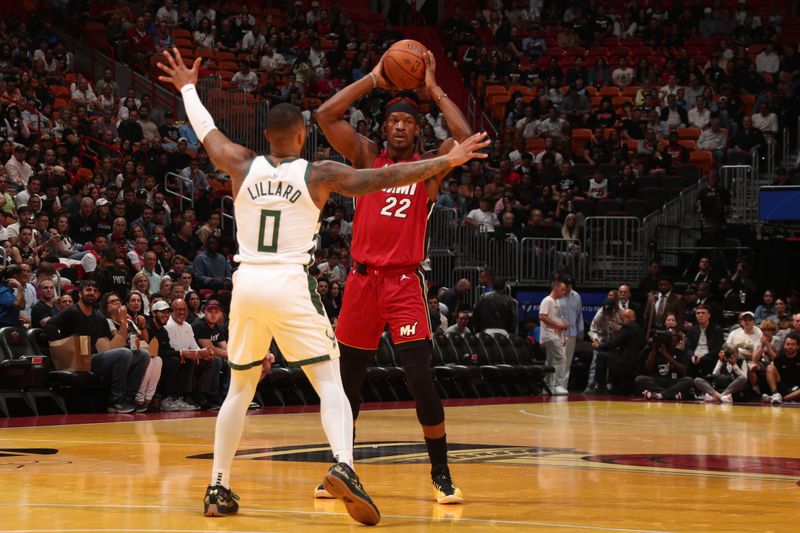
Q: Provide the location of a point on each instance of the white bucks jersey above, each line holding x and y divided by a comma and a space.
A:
276, 219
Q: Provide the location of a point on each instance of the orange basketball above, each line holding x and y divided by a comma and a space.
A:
403, 64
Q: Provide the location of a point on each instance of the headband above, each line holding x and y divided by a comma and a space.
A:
404, 105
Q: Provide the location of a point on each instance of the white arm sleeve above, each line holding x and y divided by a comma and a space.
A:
198, 115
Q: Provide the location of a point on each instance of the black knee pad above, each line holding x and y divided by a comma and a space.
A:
416, 360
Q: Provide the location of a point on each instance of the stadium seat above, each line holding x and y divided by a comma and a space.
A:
496, 373
605, 207
578, 139
673, 182
648, 181
583, 205
702, 159
656, 197
636, 207
15, 344
689, 133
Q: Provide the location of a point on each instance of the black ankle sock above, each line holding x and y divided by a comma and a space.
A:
437, 451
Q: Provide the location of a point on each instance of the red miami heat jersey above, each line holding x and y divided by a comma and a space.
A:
390, 226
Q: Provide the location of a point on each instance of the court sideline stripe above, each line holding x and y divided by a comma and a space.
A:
290, 511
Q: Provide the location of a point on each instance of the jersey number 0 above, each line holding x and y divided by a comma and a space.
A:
268, 231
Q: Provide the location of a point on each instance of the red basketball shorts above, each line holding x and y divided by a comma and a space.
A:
372, 300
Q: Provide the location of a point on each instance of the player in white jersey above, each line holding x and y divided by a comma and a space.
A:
277, 200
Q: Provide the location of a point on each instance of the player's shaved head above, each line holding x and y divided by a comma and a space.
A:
283, 121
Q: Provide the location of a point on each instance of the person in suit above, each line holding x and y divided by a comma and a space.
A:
621, 355
703, 343
648, 284
706, 298
660, 304
625, 302
704, 273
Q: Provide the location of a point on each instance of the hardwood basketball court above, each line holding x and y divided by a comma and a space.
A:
542, 464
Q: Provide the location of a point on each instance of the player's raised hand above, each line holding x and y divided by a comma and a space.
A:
430, 72
381, 81
175, 69
469, 149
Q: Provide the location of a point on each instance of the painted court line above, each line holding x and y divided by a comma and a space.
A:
555, 525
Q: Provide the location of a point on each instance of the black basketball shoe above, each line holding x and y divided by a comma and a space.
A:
342, 483
444, 490
220, 501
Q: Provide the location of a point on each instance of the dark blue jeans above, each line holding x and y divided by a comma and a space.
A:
124, 368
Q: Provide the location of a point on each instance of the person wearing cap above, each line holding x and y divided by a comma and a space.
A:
211, 333
746, 339
104, 221
18, 169
176, 372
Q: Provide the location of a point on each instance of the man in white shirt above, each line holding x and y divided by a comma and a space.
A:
333, 268
271, 60
670, 88
460, 327
245, 80
699, 115
623, 74
17, 169
181, 339
552, 335
483, 219
768, 62
167, 13
746, 339
764, 121
34, 187
714, 140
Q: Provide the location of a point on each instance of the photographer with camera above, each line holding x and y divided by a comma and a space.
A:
666, 367
620, 355
729, 376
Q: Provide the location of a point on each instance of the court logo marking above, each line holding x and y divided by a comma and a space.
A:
409, 452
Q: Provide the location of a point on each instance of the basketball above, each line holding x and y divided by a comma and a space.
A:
403, 64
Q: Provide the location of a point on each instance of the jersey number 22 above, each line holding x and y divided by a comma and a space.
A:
401, 205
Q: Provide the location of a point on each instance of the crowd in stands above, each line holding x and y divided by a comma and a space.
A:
88, 226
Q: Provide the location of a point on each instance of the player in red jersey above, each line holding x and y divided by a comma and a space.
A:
386, 285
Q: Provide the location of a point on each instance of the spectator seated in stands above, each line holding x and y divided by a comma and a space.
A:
461, 325
211, 333
703, 342
729, 377
746, 339
437, 318
178, 365
456, 299
783, 374
484, 219
206, 365
123, 368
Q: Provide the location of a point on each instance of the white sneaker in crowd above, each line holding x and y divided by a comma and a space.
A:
708, 398
560, 391
776, 399
169, 404
726, 398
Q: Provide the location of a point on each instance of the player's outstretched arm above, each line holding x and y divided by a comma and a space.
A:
456, 121
330, 118
226, 155
346, 180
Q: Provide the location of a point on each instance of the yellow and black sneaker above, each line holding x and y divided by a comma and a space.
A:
444, 490
342, 483
220, 501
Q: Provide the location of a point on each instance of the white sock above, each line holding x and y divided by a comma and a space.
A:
230, 422
335, 411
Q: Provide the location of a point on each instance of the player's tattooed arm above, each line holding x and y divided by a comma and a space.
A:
348, 181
